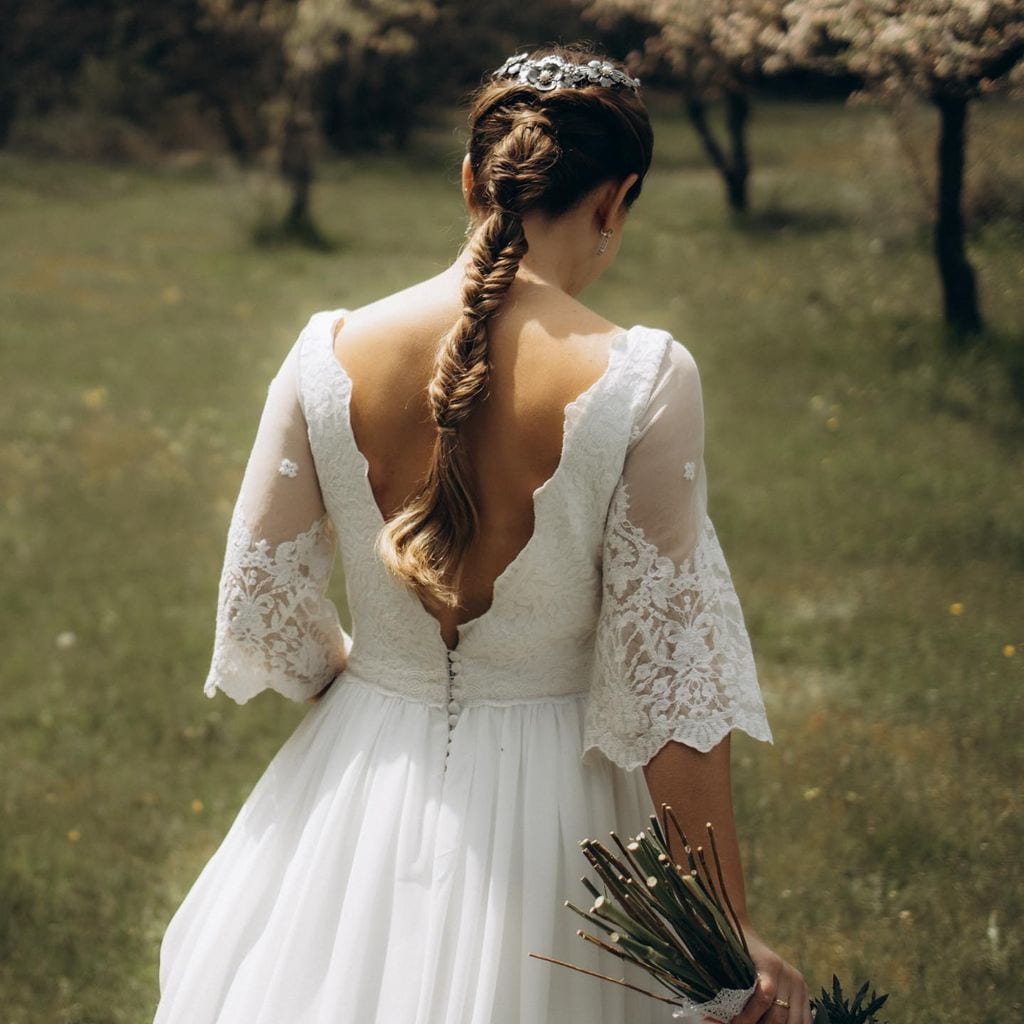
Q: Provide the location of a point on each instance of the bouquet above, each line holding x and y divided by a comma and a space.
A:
678, 924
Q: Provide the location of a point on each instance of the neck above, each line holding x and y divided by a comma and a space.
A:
555, 258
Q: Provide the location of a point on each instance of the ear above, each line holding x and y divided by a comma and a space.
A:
467, 181
612, 205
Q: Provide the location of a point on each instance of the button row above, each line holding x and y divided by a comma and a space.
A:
454, 668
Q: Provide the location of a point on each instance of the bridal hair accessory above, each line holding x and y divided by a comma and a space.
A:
552, 72
602, 247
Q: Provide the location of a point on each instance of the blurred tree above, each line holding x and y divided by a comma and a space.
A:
313, 36
473, 38
362, 68
127, 60
713, 50
948, 52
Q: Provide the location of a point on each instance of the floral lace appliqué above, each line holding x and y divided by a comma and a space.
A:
673, 658
288, 468
689, 470
275, 628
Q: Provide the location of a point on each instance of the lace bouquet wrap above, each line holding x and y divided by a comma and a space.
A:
676, 922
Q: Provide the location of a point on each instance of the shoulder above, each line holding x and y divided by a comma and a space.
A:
671, 355
313, 343
667, 360
682, 360
671, 389
657, 360
678, 371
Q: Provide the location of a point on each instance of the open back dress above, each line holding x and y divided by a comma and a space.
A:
415, 837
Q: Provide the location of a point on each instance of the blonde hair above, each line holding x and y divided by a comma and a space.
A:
529, 150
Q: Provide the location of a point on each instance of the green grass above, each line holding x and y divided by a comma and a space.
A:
861, 479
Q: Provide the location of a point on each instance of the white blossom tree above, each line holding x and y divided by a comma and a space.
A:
948, 52
714, 49
310, 35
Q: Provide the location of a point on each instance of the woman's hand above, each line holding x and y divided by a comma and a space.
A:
340, 662
776, 979
318, 696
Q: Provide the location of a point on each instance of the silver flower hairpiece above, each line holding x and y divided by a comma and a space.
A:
552, 72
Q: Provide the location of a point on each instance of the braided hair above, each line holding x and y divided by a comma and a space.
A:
529, 150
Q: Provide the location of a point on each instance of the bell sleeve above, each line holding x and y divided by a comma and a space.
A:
275, 627
672, 657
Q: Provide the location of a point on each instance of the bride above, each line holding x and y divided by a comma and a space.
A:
545, 645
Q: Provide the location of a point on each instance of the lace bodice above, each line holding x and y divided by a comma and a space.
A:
621, 598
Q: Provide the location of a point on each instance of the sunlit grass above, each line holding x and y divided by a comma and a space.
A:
863, 482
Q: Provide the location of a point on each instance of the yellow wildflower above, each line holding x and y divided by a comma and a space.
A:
94, 398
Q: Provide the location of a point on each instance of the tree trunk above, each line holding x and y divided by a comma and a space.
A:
240, 142
297, 163
296, 160
959, 291
734, 166
737, 113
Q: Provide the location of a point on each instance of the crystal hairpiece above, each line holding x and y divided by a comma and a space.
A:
552, 72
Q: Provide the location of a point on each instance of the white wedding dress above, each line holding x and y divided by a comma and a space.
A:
415, 837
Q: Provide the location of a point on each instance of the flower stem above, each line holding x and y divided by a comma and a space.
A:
605, 977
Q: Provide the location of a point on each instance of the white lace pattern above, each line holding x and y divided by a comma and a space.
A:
728, 1003
275, 629
673, 658
621, 598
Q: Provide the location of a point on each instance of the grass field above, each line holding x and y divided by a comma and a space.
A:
867, 487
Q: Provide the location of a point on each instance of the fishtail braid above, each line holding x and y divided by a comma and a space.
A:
529, 150
424, 543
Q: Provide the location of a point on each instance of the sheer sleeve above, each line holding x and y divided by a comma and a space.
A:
276, 629
673, 660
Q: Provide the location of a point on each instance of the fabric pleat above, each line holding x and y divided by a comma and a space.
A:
369, 878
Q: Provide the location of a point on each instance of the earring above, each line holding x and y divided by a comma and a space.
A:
602, 247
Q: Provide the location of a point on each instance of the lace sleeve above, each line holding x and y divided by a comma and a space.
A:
673, 660
276, 629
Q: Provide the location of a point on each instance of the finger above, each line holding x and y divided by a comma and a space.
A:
776, 1012
759, 1002
800, 1004
805, 1004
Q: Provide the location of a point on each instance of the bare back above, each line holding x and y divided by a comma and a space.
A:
545, 350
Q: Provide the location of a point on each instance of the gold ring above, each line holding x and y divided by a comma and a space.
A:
782, 1002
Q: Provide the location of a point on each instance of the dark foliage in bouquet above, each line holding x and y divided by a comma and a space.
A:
679, 925
841, 1012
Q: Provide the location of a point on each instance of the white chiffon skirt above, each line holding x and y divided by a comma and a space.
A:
368, 879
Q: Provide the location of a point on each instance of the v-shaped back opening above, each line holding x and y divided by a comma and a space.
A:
573, 415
